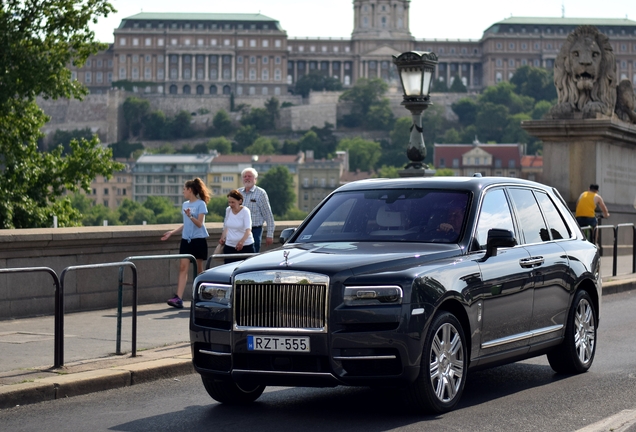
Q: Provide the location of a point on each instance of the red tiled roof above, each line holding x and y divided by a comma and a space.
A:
532, 161
349, 176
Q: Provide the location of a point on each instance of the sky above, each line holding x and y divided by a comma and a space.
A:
430, 19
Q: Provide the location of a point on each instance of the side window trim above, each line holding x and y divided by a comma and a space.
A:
516, 214
547, 221
515, 226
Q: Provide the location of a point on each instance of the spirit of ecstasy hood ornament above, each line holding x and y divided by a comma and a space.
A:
286, 255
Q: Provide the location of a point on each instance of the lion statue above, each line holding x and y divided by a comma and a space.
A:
625, 101
585, 75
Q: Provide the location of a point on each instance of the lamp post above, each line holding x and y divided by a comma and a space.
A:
416, 71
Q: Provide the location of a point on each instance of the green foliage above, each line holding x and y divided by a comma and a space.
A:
466, 110
181, 125
220, 144
326, 147
514, 133
444, 172
451, 136
540, 109
368, 104
490, 121
163, 210
394, 149
124, 149
310, 141
286, 105
37, 41
535, 82
316, 81
439, 86
294, 214
155, 125
272, 106
504, 94
434, 124
279, 185
386, 171
134, 213
262, 146
135, 112
217, 206
258, 118
222, 124
64, 138
363, 154
457, 86
244, 137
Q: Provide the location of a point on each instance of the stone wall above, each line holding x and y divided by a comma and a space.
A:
31, 294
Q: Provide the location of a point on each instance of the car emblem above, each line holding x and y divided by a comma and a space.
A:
286, 262
277, 278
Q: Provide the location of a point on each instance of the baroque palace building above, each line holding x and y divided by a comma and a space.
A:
250, 54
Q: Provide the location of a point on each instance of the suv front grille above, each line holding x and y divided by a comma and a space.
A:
298, 306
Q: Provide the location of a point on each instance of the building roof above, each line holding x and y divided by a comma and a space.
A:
448, 152
351, 176
229, 159
197, 16
175, 159
532, 161
567, 21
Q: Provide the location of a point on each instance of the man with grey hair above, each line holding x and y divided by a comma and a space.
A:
257, 201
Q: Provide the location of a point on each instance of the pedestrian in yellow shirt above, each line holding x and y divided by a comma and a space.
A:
586, 207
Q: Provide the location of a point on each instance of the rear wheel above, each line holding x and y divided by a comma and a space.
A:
443, 367
229, 392
576, 353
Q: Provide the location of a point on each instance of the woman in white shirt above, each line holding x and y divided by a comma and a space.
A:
237, 227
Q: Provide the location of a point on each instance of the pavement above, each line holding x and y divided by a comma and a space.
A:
90, 340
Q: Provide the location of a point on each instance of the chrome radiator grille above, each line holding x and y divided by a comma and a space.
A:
288, 306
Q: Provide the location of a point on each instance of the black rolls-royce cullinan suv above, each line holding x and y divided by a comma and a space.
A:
408, 283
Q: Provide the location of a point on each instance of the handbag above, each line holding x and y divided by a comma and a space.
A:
218, 250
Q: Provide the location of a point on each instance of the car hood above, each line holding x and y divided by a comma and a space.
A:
331, 258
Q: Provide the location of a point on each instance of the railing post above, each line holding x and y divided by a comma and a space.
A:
633, 248
615, 261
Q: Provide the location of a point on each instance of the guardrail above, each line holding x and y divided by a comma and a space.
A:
615, 228
121, 284
58, 357
59, 337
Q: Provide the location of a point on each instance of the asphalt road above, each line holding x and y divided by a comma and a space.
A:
525, 396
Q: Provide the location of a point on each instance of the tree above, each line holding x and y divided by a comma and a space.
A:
444, 172
279, 185
272, 106
388, 172
310, 141
328, 141
244, 137
363, 154
316, 81
220, 144
452, 136
540, 109
135, 112
222, 123
134, 213
439, 86
217, 206
457, 86
491, 121
163, 209
504, 94
155, 125
124, 149
64, 138
262, 146
365, 94
259, 118
37, 41
394, 150
181, 125
466, 110
535, 82
380, 116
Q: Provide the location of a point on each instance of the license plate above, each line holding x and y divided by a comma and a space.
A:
278, 343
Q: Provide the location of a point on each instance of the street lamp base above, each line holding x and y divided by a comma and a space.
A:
416, 169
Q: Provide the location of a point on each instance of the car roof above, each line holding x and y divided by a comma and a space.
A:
459, 183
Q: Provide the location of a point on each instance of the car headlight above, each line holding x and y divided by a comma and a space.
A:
372, 295
215, 292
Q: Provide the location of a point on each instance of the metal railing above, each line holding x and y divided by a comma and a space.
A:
58, 357
60, 336
120, 299
596, 236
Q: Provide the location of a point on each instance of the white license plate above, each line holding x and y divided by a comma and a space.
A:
278, 343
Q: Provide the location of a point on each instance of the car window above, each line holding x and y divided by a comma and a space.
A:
558, 228
494, 213
531, 221
417, 215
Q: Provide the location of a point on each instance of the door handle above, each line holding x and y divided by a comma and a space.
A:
531, 262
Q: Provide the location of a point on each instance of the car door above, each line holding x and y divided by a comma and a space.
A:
505, 291
542, 229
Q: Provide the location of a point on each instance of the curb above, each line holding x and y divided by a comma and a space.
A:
81, 383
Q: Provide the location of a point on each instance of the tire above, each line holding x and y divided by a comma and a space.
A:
443, 368
576, 354
228, 392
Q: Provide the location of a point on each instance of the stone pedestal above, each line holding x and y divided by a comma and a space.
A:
416, 172
577, 153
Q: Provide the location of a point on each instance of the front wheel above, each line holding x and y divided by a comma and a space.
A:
576, 352
229, 392
443, 367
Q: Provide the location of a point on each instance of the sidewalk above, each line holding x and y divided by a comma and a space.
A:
90, 365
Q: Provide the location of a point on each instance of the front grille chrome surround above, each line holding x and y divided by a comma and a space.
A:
281, 301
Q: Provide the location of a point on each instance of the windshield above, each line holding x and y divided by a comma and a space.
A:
431, 216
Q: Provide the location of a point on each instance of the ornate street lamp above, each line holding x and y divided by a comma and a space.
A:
416, 71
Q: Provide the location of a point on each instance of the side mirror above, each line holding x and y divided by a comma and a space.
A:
498, 238
286, 235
